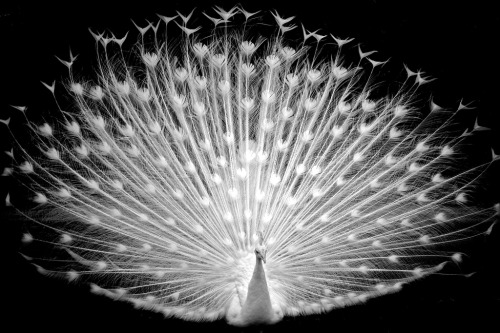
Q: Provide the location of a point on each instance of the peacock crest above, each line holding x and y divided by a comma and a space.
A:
224, 174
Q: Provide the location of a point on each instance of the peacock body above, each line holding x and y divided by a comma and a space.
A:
226, 175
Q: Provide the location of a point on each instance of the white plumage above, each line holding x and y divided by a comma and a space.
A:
170, 165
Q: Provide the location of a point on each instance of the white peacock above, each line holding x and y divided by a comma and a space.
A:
226, 175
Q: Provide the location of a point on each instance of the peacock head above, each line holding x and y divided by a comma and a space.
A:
260, 252
260, 249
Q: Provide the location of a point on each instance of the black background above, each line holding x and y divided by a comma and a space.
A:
447, 40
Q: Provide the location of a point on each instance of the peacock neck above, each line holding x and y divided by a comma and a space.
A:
257, 308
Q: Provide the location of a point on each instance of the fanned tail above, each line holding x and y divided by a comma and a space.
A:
162, 171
